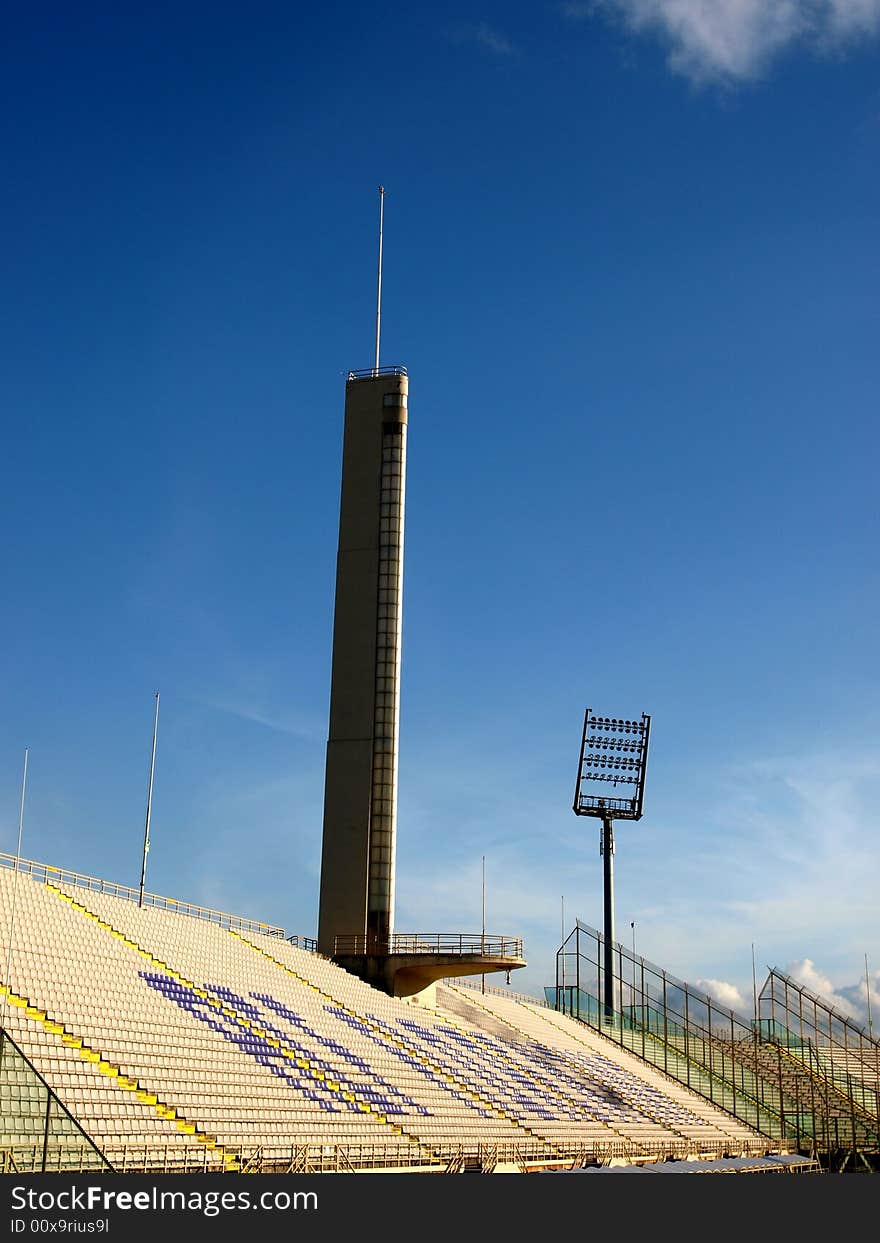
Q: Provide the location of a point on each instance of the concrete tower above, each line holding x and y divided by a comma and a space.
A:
356, 904
360, 794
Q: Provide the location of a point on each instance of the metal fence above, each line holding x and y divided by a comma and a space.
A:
328, 1158
795, 1070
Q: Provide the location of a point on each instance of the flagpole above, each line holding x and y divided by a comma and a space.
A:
7, 981
149, 805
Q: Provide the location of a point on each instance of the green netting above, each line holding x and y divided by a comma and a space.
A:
37, 1133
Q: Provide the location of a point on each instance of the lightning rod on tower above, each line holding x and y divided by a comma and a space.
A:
379, 284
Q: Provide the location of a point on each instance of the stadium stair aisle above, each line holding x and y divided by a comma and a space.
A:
442, 1128
98, 991
277, 1056
638, 1127
54, 1042
452, 1131
275, 1041
383, 1033
109, 1069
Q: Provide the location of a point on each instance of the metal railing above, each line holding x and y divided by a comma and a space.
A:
331, 1158
45, 872
372, 373
462, 981
457, 943
303, 943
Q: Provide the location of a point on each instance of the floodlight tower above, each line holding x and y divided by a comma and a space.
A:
614, 752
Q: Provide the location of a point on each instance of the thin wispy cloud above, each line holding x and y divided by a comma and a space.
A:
761, 864
485, 37
737, 40
785, 817
787, 881
286, 722
253, 690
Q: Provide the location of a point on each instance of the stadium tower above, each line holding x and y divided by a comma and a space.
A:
356, 903
360, 795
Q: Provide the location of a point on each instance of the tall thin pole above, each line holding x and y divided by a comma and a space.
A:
8, 981
483, 933
754, 988
379, 282
149, 804
868, 997
632, 924
608, 885
21, 809
561, 954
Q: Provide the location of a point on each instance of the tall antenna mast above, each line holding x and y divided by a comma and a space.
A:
7, 980
868, 999
379, 288
149, 805
21, 819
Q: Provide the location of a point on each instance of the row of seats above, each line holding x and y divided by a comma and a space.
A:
165, 1030
661, 1096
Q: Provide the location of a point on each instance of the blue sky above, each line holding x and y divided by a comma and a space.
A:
631, 265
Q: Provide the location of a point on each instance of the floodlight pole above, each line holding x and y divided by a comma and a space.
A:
483, 936
608, 892
610, 757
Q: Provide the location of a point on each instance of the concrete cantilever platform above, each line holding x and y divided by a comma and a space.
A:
411, 962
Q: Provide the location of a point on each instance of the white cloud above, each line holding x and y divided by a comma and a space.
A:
853, 17
735, 40
807, 973
864, 1005
728, 995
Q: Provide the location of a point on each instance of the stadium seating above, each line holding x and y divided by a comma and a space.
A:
177, 1043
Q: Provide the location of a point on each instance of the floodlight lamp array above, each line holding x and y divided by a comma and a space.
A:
613, 753
615, 723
